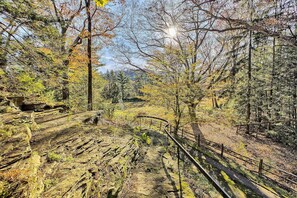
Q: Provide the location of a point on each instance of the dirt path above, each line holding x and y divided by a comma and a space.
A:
156, 174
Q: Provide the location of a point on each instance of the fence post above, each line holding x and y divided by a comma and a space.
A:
160, 125
260, 166
222, 150
199, 140
151, 123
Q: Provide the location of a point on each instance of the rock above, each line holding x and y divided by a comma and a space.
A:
14, 148
38, 106
68, 159
7, 105
94, 119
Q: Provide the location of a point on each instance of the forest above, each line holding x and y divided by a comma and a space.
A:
148, 98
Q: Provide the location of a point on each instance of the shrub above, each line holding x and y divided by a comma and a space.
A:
48, 183
137, 129
145, 138
52, 156
284, 134
29, 84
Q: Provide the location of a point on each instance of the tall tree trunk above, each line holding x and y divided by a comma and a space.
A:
65, 77
271, 99
177, 111
272, 71
3, 54
295, 93
65, 82
294, 108
67, 54
193, 118
89, 49
123, 92
248, 108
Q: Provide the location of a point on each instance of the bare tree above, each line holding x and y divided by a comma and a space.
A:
78, 21
232, 17
176, 40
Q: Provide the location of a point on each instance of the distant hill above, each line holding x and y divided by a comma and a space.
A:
131, 73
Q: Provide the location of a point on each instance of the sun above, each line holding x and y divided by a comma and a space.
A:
172, 32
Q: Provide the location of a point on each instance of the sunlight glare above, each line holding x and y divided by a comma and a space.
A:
172, 32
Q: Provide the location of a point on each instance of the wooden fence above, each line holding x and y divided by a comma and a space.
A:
167, 130
273, 173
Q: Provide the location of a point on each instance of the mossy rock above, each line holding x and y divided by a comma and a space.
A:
52, 156
4, 191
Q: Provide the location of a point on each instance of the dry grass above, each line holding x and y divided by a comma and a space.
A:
260, 148
14, 175
131, 111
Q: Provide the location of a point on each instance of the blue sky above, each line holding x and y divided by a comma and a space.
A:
108, 60
108, 55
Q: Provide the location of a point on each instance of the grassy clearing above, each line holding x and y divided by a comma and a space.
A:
206, 114
131, 110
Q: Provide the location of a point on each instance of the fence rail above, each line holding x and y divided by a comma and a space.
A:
190, 157
262, 167
259, 165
